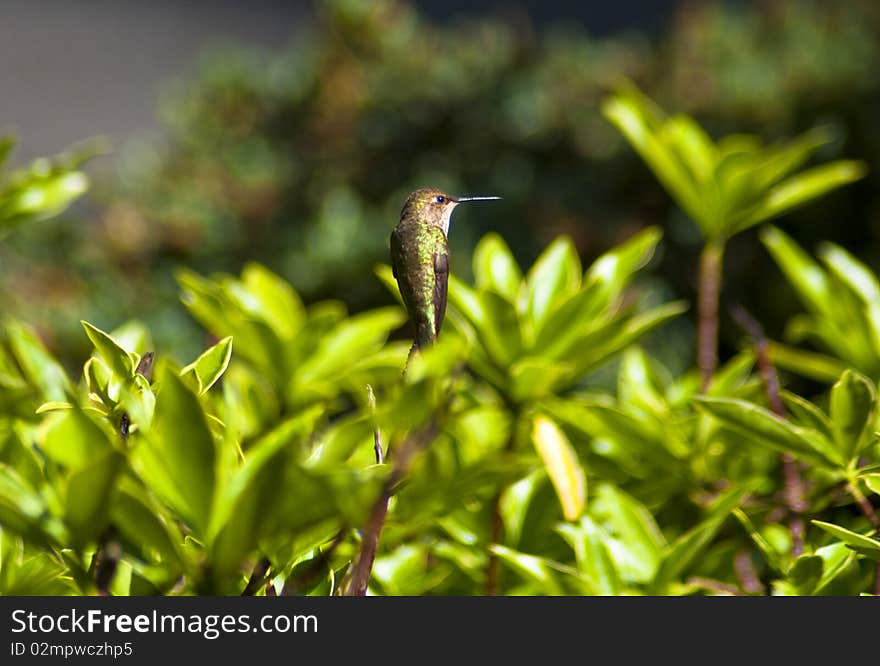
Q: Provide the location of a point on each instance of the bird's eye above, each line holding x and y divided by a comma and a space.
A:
440, 199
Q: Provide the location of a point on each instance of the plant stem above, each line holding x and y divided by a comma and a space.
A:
871, 515
711, 261
794, 492
864, 505
363, 567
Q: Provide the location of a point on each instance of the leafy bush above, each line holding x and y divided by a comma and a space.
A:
270, 460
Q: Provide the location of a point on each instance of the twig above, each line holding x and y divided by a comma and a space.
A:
864, 505
746, 574
360, 578
871, 515
711, 261
794, 491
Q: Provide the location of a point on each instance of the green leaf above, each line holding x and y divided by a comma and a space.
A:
801, 188
75, 440
499, 330
88, 497
852, 411
556, 274
633, 116
272, 299
771, 555
805, 275
40, 369
806, 572
143, 523
354, 338
858, 542
211, 365
562, 466
684, 550
808, 414
119, 360
532, 568
627, 519
594, 559
837, 558
495, 268
178, 455
588, 357
873, 482
42, 195
532, 378
613, 270
252, 493
22, 509
806, 364
765, 428
338, 443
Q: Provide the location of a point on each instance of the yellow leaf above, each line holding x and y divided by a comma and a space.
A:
562, 466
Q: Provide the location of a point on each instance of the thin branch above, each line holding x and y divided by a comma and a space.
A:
794, 492
871, 515
363, 568
746, 574
864, 505
711, 261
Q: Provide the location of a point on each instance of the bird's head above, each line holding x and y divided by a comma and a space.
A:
431, 206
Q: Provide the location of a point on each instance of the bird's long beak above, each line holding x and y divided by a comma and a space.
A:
465, 199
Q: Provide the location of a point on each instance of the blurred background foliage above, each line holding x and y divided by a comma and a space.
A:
563, 458
300, 159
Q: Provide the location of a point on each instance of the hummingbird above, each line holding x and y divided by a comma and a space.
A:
420, 258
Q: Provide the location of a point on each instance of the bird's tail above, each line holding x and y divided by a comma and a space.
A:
424, 338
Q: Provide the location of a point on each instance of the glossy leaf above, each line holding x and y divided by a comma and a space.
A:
495, 268
178, 456
858, 542
853, 404
765, 428
562, 466
211, 365
118, 360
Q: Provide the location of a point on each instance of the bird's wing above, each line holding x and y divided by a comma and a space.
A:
395, 250
441, 281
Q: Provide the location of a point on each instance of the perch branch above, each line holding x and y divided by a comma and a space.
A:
363, 568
